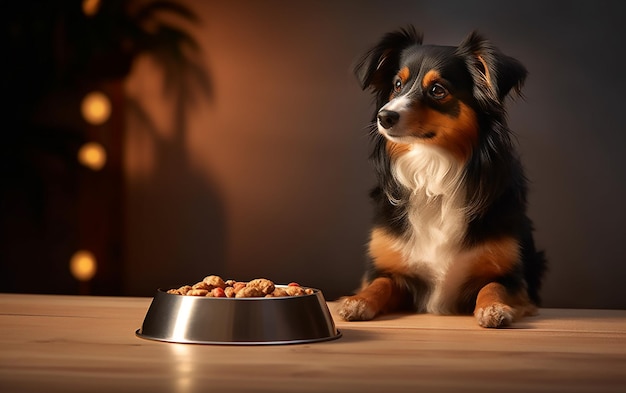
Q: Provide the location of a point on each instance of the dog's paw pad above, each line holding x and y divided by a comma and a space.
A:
494, 316
356, 308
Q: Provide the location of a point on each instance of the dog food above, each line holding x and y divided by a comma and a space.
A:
215, 286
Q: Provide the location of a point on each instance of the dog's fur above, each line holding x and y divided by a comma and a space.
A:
450, 233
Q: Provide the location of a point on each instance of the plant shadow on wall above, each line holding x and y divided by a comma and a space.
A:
63, 198
175, 220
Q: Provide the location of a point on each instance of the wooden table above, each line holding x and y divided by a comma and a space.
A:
88, 344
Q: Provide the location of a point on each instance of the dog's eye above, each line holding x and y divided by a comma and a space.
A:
397, 85
438, 92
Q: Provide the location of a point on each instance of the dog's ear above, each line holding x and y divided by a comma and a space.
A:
377, 67
494, 73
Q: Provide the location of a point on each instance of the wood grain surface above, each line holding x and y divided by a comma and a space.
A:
88, 344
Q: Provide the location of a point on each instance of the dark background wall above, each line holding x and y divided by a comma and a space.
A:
268, 175
283, 146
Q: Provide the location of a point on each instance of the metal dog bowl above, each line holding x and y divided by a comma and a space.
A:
243, 321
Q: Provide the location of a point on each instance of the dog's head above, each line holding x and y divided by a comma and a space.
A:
450, 98
438, 95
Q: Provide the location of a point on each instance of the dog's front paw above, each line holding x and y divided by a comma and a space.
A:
356, 308
495, 315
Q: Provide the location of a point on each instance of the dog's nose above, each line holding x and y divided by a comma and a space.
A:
388, 119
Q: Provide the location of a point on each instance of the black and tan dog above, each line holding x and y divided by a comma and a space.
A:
451, 234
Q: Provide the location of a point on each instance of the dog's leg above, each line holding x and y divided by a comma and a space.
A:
381, 295
493, 308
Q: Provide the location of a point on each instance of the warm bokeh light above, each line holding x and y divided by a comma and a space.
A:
83, 265
91, 7
96, 108
92, 155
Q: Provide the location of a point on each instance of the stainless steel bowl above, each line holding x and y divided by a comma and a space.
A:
244, 321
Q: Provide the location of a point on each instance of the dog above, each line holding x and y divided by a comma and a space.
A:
450, 234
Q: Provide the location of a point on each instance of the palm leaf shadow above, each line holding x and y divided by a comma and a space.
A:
176, 220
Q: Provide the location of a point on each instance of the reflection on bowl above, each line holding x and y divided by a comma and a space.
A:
243, 321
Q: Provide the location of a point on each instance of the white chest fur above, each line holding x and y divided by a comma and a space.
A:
436, 214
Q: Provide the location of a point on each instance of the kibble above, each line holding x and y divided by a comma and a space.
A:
215, 286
